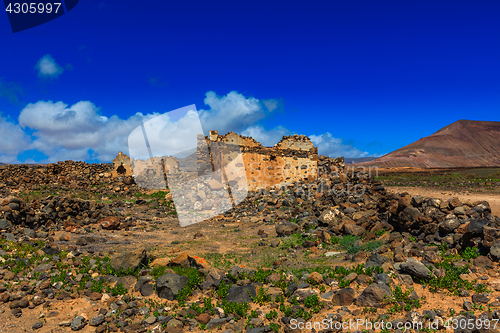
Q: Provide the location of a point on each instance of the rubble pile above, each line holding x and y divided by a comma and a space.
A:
337, 247
68, 174
362, 207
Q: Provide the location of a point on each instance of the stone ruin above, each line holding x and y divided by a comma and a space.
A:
292, 159
121, 166
150, 173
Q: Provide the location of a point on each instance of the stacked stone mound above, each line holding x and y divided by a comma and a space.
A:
49, 213
75, 174
330, 167
361, 207
41, 197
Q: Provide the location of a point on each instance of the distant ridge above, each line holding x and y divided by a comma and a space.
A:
349, 160
463, 144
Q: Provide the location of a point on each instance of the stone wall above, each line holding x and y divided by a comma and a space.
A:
293, 159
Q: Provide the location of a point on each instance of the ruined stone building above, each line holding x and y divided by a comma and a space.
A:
292, 159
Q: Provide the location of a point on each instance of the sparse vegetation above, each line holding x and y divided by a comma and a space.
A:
402, 300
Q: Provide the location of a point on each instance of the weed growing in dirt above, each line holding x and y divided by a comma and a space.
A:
261, 275
207, 306
155, 195
222, 292
402, 300
272, 315
98, 286
194, 279
347, 242
452, 280
225, 261
240, 309
291, 241
262, 296
275, 327
313, 302
119, 289
470, 253
369, 310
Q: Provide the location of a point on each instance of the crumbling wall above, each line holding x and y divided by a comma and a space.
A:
150, 173
265, 170
293, 159
203, 164
235, 139
122, 166
296, 142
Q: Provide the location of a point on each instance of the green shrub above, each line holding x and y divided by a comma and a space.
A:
291, 241
222, 292
97, 286
451, 280
194, 279
348, 241
275, 327
261, 275
470, 253
118, 289
262, 296
401, 300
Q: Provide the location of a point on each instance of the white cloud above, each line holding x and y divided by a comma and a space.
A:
267, 138
334, 147
233, 112
173, 133
13, 141
48, 68
69, 132
81, 132
63, 132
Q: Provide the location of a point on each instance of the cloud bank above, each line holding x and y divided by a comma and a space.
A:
71, 132
81, 132
13, 141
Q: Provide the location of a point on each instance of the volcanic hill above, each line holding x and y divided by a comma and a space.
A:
463, 144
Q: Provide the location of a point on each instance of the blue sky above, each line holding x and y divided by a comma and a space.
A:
361, 78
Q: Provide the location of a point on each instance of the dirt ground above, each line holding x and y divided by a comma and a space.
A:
445, 194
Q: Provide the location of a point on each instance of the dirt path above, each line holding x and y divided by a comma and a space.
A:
463, 195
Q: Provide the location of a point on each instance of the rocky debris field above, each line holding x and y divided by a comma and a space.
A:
83, 251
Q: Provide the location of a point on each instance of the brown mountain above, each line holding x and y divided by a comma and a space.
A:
463, 144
